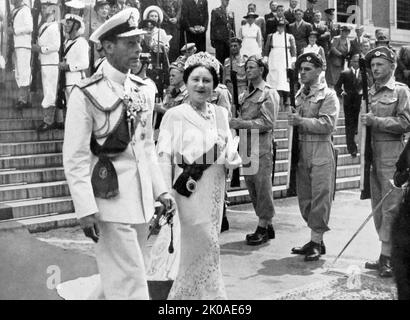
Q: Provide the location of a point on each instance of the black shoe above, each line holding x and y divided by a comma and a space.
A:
259, 237
372, 265
271, 232
385, 268
303, 250
313, 253
60, 126
45, 127
225, 224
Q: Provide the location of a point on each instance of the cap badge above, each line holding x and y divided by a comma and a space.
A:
133, 21
377, 53
308, 58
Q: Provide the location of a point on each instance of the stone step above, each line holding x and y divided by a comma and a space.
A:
46, 160
35, 190
30, 135
35, 207
19, 124
30, 148
33, 113
49, 222
242, 196
32, 176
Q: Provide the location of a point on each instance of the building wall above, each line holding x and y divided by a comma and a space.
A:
380, 14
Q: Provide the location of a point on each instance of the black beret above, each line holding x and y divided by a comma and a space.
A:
330, 10
311, 57
380, 52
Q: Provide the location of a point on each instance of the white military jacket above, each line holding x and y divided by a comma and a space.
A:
139, 175
22, 26
76, 54
49, 42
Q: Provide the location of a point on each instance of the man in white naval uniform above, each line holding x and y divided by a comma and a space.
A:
76, 49
48, 46
115, 179
22, 27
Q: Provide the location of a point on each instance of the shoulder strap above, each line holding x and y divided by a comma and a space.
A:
96, 104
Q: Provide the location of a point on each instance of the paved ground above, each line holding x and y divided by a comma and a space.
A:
265, 272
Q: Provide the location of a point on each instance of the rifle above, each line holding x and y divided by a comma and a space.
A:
293, 138
91, 44
61, 98
35, 62
365, 149
235, 181
10, 39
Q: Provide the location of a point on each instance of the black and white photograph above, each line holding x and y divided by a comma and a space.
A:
208, 150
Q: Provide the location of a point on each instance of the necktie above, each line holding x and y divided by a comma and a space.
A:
251, 88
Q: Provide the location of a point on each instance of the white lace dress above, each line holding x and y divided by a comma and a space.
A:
199, 273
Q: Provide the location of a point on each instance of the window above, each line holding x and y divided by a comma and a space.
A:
403, 14
347, 9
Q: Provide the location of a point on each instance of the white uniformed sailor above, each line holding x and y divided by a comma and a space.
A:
22, 27
48, 46
76, 53
115, 178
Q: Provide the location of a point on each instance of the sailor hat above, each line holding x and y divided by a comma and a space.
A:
76, 4
121, 25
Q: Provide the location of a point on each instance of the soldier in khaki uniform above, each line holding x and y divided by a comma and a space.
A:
259, 111
316, 118
389, 119
238, 65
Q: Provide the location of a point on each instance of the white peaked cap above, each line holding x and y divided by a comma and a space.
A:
76, 4
123, 24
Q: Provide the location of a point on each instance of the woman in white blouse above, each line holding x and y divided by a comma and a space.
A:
251, 36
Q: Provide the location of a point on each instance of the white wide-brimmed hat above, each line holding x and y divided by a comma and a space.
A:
153, 8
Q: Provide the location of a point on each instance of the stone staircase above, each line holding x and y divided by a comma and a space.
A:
33, 188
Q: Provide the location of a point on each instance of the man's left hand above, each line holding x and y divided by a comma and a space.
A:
367, 119
294, 119
234, 123
168, 201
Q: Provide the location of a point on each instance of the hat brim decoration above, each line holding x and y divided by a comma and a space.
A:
153, 8
49, 2
123, 24
251, 15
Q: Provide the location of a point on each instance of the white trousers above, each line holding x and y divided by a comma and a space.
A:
49, 78
22, 59
120, 261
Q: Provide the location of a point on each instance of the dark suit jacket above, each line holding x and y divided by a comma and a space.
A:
322, 40
403, 63
355, 47
300, 34
290, 16
272, 24
195, 14
351, 84
308, 15
221, 24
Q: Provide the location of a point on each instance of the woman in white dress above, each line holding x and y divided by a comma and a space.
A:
251, 36
187, 133
275, 49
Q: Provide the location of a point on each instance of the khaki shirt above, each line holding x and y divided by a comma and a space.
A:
259, 111
319, 111
170, 102
238, 65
